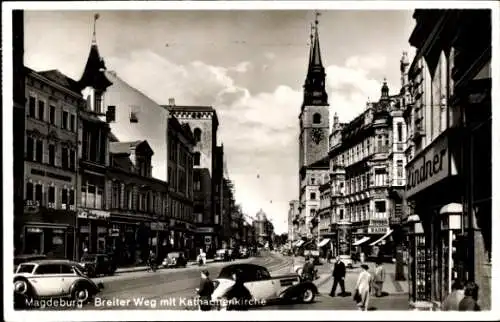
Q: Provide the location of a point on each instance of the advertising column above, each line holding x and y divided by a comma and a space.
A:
344, 236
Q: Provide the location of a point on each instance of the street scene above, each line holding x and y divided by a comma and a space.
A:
252, 160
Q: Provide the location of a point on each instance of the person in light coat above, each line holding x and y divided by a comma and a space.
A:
379, 278
363, 286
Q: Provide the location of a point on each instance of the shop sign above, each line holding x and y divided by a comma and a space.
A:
429, 167
34, 230
208, 240
158, 226
114, 232
94, 214
84, 229
377, 230
205, 230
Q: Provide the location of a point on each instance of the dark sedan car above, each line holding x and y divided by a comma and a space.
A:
98, 264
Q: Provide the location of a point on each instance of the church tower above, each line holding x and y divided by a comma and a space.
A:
314, 114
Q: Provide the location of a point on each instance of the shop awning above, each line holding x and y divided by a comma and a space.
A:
360, 241
382, 238
324, 242
299, 243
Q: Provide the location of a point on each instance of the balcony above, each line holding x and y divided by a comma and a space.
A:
398, 182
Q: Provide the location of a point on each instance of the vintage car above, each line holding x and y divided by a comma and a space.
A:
54, 278
19, 259
221, 255
263, 287
174, 259
97, 264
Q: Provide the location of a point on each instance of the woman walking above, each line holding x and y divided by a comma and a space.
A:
362, 291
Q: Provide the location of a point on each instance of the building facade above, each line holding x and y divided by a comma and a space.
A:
449, 153
204, 124
313, 140
264, 229
366, 164
293, 220
50, 163
181, 193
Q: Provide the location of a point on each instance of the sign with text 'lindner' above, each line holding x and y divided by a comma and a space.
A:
430, 167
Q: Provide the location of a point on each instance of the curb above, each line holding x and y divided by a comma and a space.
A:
322, 280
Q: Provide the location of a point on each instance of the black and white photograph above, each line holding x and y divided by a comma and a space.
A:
295, 160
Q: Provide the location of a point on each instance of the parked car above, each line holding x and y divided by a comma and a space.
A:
98, 264
54, 278
221, 255
19, 259
174, 259
263, 287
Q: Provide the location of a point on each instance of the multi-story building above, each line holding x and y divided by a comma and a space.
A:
293, 220
313, 140
94, 191
229, 214
18, 122
449, 153
181, 193
221, 198
138, 205
50, 167
264, 229
325, 227
204, 123
365, 155
130, 115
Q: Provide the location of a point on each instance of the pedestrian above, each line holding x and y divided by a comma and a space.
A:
379, 278
238, 296
453, 299
308, 269
469, 302
329, 256
362, 291
338, 274
205, 291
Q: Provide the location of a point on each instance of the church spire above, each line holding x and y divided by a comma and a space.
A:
314, 87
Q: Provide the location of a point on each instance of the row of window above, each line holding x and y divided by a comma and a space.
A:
49, 195
37, 110
180, 180
362, 212
317, 180
35, 152
368, 146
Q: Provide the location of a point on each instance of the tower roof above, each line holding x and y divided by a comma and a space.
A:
316, 62
385, 90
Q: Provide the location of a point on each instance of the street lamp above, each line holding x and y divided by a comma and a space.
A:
451, 220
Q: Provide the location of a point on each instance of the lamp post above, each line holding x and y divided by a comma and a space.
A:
451, 220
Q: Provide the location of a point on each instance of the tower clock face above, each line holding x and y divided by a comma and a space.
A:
317, 135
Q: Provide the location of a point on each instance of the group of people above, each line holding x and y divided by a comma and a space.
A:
462, 297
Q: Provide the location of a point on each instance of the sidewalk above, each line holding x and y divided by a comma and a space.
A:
145, 268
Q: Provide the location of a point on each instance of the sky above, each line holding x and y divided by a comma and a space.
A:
249, 65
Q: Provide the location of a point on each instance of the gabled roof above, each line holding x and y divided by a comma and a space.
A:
189, 108
125, 147
60, 79
93, 74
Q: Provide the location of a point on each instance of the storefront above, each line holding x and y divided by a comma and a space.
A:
205, 239
431, 185
92, 231
159, 239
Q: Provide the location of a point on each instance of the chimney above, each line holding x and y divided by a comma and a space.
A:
171, 101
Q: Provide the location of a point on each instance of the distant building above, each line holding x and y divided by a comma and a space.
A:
264, 229
293, 217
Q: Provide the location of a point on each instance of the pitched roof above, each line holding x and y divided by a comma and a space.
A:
93, 74
322, 163
122, 147
189, 108
60, 79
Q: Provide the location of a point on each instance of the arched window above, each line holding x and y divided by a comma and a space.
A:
316, 118
196, 158
197, 134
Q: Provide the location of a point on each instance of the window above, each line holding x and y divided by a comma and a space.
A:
39, 193
48, 269
64, 158
66, 269
72, 159
380, 177
72, 197
341, 214
32, 106
313, 196
29, 191
380, 206
313, 181
316, 118
72, 122
39, 151
64, 124
197, 134
92, 196
115, 201
52, 114
197, 182
64, 196
399, 167
128, 199
196, 156
400, 131
52, 154
30, 148
380, 143
52, 194
41, 110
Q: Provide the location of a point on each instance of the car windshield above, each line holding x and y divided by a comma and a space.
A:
79, 270
88, 258
25, 268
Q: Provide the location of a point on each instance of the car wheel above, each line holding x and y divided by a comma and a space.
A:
22, 286
308, 295
81, 294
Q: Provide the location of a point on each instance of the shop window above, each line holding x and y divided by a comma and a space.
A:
39, 151
52, 114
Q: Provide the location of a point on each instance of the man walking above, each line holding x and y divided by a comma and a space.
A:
379, 278
338, 276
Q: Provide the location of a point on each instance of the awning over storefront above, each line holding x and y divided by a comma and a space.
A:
360, 241
382, 238
324, 242
299, 243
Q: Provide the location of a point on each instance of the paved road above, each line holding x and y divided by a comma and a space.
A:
168, 289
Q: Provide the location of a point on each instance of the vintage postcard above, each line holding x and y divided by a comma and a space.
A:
190, 160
